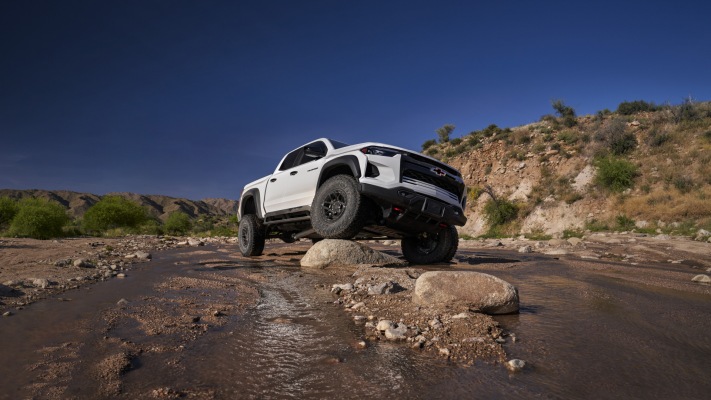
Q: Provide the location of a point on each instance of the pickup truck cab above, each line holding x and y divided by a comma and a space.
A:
328, 189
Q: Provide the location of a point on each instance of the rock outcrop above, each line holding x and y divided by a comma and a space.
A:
482, 292
334, 253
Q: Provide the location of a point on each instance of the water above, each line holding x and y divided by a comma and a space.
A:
584, 335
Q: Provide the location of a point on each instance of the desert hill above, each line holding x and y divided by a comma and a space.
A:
157, 205
641, 167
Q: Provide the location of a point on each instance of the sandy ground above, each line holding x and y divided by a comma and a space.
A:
181, 306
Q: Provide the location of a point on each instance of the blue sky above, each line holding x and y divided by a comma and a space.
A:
196, 98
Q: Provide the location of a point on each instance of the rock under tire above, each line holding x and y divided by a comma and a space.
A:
251, 236
338, 210
428, 248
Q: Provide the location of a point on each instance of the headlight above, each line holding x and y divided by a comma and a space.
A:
380, 151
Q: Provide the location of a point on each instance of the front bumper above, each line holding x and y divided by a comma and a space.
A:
410, 212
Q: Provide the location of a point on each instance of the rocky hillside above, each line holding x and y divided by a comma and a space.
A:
642, 167
158, 206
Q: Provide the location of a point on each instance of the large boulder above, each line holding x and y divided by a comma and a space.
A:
334, 253
482, 292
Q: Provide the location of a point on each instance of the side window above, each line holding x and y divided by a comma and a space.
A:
290, 160
312, 152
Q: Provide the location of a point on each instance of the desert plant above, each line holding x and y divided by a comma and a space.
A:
658, 138
615, 174
614, 134
566, 113
113, 212
429, 143
456, 141
444, 132
499, 211
624, 223
177, 223
38, 219
8, 210
684, 184
633, 107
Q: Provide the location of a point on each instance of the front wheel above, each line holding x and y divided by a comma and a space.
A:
339, 211
251, 236
429, 248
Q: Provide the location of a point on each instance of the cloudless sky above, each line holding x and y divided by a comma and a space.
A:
197, 98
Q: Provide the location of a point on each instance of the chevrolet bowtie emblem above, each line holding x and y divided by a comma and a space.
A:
439, 171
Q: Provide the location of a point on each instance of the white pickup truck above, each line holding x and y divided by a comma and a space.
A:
328, 189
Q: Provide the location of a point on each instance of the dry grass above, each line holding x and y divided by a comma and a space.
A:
669, 205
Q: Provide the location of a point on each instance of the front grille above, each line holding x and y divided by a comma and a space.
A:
429, 180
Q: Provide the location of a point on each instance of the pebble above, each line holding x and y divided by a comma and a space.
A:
515, 365
361, 344
217, 313
338, 288
40, 283
460, 316
444, 352
701, 278
525, 249
82, 263
121, 275
357, 306
396, 333
122, 302
436, 324
384, 324
7, 313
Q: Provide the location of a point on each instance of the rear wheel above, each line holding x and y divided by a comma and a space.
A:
428, 248
251, 236
338, 210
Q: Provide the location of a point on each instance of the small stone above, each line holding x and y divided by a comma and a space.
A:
122, 302
195, 319
461, 315
82, 263
142, 255
195, 242
500, 340
357, 306
338, 288
515, 365
121, 275
217, 313
436, 324
701, 278
7, 313
525, 249
40, 283
396, 333
443, 351
384, 324
361, 344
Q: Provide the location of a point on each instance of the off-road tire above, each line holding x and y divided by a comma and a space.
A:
251, 236
338, 210
429, 248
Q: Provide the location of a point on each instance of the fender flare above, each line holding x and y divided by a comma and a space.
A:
251, 193
350, 161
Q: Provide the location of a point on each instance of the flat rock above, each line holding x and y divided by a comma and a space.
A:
702, 278
335, 252
82, 263
483, 292
40, 283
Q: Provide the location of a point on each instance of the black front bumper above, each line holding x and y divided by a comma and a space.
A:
411, 212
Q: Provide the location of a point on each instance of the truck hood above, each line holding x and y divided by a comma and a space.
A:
366, 144
255, 183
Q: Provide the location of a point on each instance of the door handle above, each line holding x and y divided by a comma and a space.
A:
294, 172
272, 180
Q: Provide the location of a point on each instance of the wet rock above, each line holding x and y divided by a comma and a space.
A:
334, 252
82, 263
63, 263
122, 302
525, 249
7, 313
40, 283
515, 365
701, 278
122, 275
483, 292
195, 242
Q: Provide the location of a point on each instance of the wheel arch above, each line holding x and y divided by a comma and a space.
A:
345, 165
251, 204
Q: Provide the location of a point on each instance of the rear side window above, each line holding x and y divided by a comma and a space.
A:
320, 147
290, 160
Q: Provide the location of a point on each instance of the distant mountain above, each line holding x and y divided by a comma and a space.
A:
157, 205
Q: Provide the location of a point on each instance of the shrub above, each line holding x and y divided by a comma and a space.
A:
615, 174
565, 112
596, 226
444, 132
178, 223
113, 212
625, 223
633, 107
684, 184
569, 136
707, 135
658, 138
39, 219
456, 141
614, 134
426, 145
499, 212
8, 209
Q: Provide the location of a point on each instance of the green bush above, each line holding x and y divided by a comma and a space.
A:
633, 107
615, 173
615, 135
114, 212
39, 219
658, 138
707, 135
178, 223
499, 212
456, 141
426, 145
566, 113
625, 223
444, 132
8, 210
